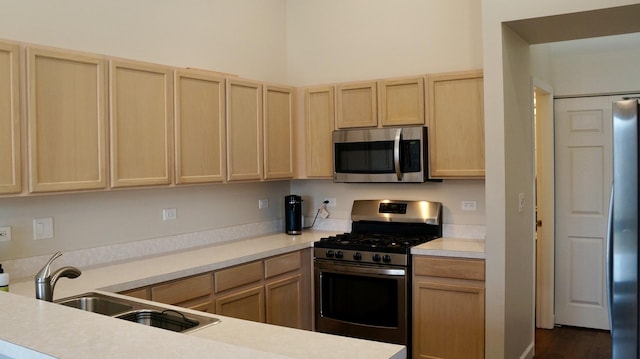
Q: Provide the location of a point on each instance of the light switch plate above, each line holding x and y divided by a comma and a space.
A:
468, 205
43, 228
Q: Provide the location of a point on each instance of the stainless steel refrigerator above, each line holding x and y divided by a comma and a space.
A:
622, 244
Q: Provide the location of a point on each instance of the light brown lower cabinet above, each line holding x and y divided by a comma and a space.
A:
276, 290
448, 308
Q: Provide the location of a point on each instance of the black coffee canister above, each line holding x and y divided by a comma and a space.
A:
293, 214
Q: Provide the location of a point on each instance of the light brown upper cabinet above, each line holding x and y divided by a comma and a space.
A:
10, 169
402, 101
357, 105
199, 129
66, 120
244, 130
278, 132
456, 125
320, 120
141, 114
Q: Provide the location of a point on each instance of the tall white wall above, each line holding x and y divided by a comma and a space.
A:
594, 66
345, 40
247, 37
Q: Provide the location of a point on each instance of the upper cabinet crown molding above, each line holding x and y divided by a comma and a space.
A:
244, 130
10, 140
66, 120
278, 131
141, 118
357, 104
456, 125
199, 127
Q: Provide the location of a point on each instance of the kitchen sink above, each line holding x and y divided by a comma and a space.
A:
142, 313
97, 303
166, 319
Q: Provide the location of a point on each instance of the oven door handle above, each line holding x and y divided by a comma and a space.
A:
349, 269
396, 153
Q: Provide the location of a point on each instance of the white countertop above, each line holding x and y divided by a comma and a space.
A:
452, 247
70, 333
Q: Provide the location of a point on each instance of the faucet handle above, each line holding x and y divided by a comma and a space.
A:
45, 272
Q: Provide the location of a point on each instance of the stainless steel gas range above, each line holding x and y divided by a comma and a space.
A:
363, 278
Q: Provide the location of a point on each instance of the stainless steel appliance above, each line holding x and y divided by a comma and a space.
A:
363, 278
622, 243
293, 214
396, 154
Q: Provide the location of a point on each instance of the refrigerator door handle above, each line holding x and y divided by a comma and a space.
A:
609, 260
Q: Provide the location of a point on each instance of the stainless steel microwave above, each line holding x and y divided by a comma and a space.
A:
397, 154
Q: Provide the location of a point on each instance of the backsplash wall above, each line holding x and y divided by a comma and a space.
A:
86, 220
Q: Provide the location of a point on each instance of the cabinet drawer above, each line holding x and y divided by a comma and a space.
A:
282, 264
183, 290
461, 268
237, 276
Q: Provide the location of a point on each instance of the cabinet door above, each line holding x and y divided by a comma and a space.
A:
456, 125
193, 292
357, 105
448, 320
244, 130
247, 304
320, 116
284, 302
199, 136
141, 116
67, 121
278, 132
10, 179
402, 101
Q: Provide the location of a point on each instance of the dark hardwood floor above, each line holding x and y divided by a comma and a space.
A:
572, 343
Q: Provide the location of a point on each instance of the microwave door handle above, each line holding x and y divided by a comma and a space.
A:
396, 153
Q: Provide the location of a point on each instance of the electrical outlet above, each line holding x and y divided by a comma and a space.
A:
5, 234
468, 205
169, 214
332, 202
263, 203
43, 228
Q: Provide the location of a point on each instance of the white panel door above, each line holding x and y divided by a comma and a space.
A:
583, 184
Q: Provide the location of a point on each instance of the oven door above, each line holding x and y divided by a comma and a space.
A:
362, 301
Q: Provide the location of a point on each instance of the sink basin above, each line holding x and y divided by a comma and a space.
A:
96, 303
167, 319
133, 311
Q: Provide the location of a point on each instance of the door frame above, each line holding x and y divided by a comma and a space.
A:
545, 194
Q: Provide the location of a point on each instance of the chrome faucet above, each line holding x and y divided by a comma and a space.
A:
46, 282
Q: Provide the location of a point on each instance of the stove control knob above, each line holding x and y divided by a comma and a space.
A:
376, 257
357, 256
339, 255
330, 253
386, 258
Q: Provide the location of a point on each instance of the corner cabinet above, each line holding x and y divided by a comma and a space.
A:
278, 132
448, 307
456, 125
199, 127
244, 130
141, 120
320, 120
66, 121
10, 169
